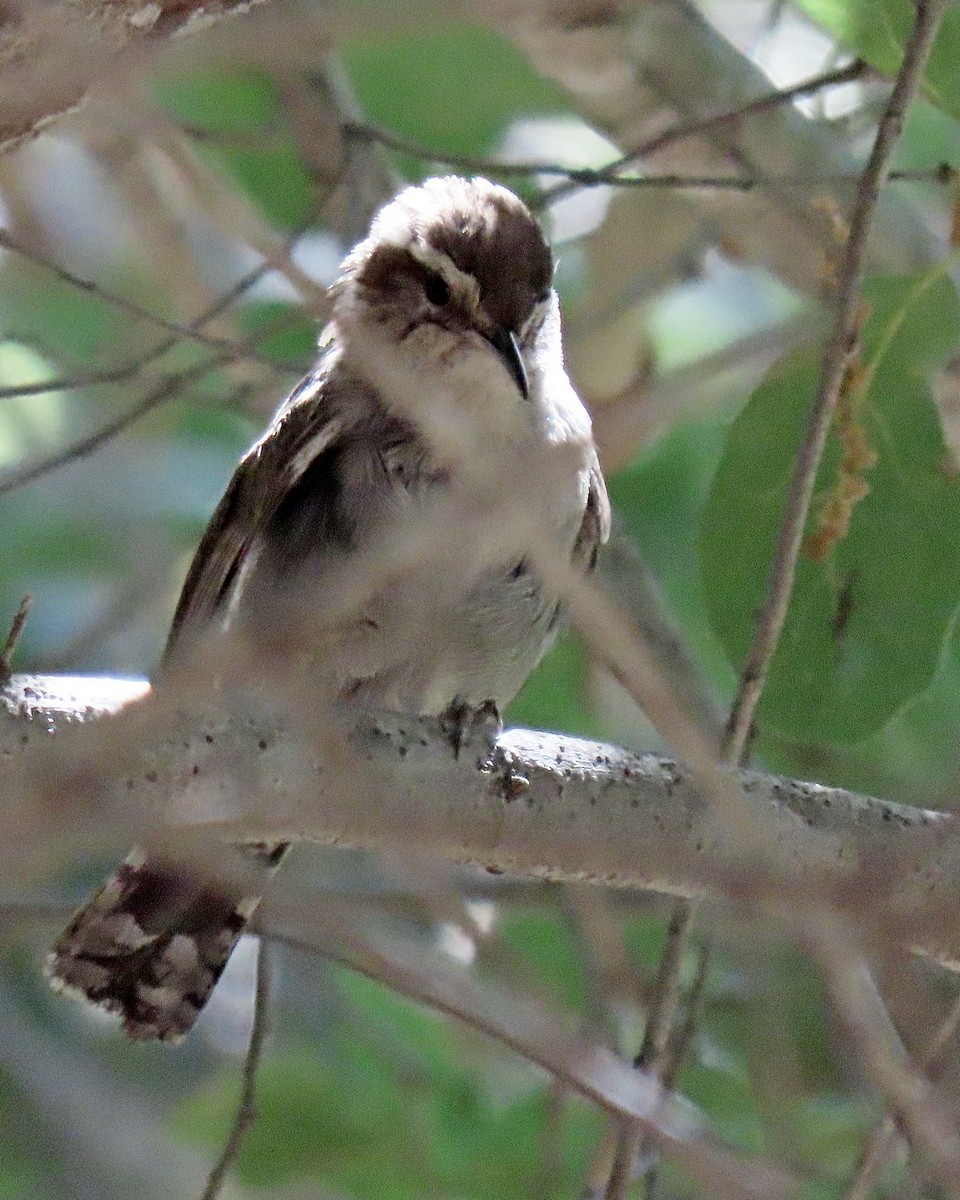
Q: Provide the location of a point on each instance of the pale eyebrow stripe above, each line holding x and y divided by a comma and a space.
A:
436, 260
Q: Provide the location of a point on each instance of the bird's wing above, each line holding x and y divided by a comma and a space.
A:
595, 525
300, 437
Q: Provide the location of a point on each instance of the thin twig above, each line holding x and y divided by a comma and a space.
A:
682, 1040
16, 629
246, 1112
833, 369
586, 177
667, 989
191, 331
22, 391
942, 173
656, 1035
233, 351
10, 481
135, 368
361, 131
849, 73
879, 1145
680, 1046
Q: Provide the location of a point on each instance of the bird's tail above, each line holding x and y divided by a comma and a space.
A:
152, 943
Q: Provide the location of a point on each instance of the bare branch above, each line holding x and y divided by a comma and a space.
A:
881, 1142
611, 175
192, 331
246, 1112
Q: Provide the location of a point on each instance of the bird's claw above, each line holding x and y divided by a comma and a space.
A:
467, 727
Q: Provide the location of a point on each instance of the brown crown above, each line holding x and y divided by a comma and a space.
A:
485, 230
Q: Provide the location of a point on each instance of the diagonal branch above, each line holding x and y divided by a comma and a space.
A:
531, 1031
168, 389
879, 1145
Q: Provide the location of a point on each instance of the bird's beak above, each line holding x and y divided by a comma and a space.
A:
506, 345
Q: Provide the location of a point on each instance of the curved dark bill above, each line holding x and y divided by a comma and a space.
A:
506, 345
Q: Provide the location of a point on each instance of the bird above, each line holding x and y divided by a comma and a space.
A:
444, 330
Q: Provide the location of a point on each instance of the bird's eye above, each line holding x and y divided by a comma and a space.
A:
436, 289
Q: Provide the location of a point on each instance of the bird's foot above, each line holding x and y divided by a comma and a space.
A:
468, 728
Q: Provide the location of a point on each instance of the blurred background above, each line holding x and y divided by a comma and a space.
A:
164, 247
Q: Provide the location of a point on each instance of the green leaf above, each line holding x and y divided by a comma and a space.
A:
877, 31
867, 624
316, 1117
34, 308
660, 500
218, 99
281, 331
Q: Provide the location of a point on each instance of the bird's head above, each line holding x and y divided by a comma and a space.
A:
457, 273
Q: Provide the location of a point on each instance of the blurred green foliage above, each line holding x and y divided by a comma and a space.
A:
446, 115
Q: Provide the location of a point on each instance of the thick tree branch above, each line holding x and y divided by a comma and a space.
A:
536, 804
52, 54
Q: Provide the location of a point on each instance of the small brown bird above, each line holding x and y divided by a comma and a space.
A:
447, 302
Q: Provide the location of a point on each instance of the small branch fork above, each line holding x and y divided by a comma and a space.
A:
190, 332
163, 392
